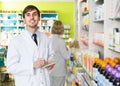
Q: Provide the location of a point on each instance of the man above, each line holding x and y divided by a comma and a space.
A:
28, 52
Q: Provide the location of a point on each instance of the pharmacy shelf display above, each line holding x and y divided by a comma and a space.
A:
47, 19
103, 34
112, 23
83, 16
11, 24
96, 37
67, 33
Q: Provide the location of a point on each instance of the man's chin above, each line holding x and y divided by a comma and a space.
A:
34, 27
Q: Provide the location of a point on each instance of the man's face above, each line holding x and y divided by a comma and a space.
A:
31, 18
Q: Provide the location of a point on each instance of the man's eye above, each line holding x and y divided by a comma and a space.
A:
35, 14
27, 14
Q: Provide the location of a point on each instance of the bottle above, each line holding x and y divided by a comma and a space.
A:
106, 67
96, 74
118, 68
95, 69
117, 79
112, 74
117, 65
108, 70
102, 73
116, 60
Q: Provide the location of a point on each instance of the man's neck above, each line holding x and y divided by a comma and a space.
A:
32, 30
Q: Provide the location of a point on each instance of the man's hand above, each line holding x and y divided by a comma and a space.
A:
39, 63
50, 67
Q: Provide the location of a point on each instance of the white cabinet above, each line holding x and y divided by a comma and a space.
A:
96, 27
103, 32
11, 24
83, 24
112, 28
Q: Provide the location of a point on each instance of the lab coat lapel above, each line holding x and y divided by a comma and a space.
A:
29, 41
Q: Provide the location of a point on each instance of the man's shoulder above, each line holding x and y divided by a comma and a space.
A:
16, 38
42, 34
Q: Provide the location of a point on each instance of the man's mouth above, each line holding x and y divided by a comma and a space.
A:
32, 21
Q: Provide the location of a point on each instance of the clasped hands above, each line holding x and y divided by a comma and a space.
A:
41, 62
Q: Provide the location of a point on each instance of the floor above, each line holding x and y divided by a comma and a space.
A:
8, 80
10, 83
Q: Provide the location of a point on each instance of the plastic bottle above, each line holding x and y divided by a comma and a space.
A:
117, 79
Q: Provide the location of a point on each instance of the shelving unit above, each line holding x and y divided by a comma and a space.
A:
11, 24
47, 19
112, 48
83, 23
96, 29
66, 34
103, 33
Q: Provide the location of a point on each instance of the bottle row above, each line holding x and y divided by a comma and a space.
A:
107, 72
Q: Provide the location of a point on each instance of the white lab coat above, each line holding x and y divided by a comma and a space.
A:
22, 52
60, 56
59, 71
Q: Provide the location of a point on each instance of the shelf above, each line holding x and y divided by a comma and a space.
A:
67, 33
115, 18
99, 1
114, 50
101, 20
8, 19
83, 0
45, 26
90, 75
11, 24
20, 19
65, 37
66, 28
8, 26
99, 43
85, 13
47, 19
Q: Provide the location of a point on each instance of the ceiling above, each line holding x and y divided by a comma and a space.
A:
36, 0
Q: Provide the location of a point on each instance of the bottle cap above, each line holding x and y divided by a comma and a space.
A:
107, 60
116, 60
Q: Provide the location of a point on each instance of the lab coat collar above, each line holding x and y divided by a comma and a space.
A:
56, 35
29, 40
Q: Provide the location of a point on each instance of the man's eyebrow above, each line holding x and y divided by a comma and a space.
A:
30, 11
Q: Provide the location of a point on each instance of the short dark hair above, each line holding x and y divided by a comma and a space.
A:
57, 27
29, 8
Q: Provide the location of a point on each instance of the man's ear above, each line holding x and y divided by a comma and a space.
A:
23, 21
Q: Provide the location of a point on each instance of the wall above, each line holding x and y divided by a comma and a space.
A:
65, 9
